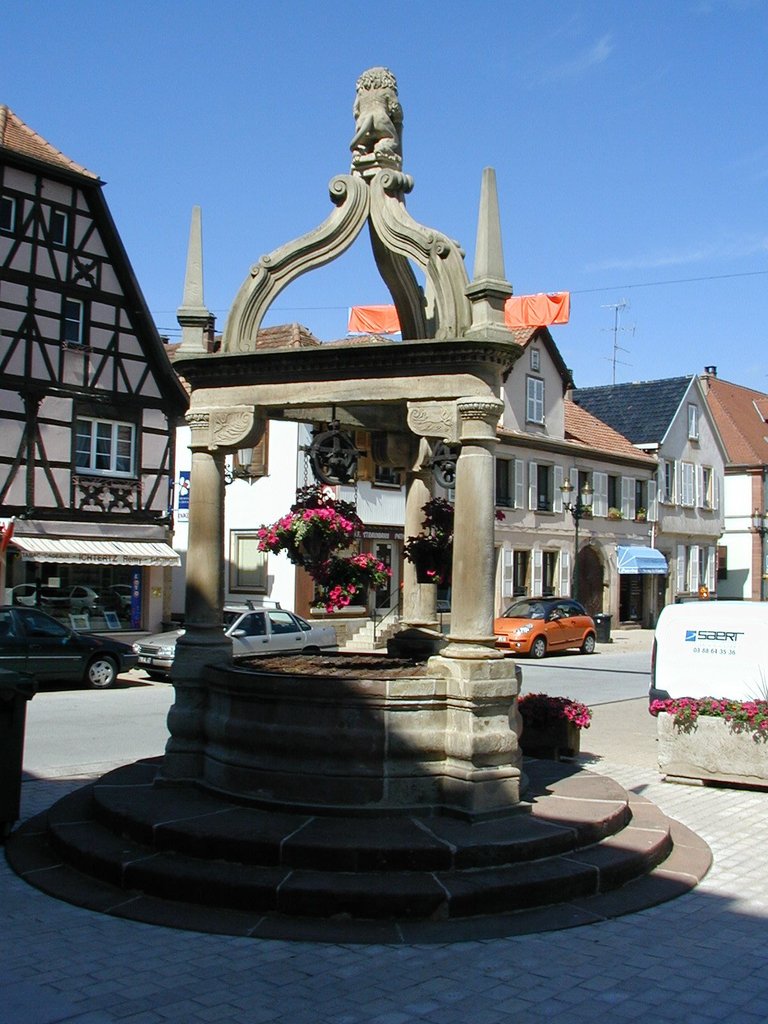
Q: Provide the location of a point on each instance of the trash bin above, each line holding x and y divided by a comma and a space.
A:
602, 628
15, 690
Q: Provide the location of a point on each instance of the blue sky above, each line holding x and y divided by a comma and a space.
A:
630, 141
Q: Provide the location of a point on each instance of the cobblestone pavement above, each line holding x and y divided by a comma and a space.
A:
696, 959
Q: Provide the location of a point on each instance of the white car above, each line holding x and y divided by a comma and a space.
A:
253, 631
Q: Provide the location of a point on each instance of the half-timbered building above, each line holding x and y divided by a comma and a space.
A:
88, 400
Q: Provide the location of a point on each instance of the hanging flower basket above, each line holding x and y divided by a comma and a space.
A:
431, 550
317, 526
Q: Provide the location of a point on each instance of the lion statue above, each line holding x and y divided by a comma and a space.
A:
378, 120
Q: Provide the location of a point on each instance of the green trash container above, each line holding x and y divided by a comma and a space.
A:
602, 628
15, 690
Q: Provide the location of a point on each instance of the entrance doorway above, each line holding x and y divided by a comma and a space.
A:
388, 595
591, 580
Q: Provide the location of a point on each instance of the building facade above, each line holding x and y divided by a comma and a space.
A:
88, 397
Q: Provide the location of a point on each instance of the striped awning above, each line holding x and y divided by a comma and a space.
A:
645, 561
99, 552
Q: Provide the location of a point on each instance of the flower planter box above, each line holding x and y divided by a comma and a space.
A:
712, 750
553, 741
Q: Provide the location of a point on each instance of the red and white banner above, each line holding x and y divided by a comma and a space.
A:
519, 311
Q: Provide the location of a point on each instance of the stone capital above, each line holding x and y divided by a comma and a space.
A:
479, 417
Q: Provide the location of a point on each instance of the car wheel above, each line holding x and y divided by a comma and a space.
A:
310, 650
157, 677
539, 647
588, 647
101, 672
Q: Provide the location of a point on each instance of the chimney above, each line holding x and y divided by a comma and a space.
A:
711, 371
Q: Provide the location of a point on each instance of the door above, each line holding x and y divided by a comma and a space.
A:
53, 650
285, 634
13, 654
387, 596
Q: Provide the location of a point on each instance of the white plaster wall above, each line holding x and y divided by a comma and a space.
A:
515, 395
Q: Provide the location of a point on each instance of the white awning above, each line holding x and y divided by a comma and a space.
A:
100, 552
645, 561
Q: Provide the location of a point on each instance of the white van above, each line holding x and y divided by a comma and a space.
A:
711, 649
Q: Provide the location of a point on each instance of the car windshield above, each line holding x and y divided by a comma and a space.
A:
526, 610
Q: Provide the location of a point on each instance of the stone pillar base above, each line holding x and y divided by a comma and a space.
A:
483, 758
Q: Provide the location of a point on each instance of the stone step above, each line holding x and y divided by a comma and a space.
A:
579, 837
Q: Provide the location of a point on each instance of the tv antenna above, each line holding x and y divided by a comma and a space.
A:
618, 308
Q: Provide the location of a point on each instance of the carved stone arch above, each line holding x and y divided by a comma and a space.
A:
441, 259
278, 269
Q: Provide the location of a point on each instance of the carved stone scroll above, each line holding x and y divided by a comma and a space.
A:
279, 268
434, 419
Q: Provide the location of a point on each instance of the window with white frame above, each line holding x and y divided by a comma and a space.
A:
57, 228
687, 490
540, 487
504, 494
104, 447
534, 407
7, 213
693, 422
535, 360
669, 482
247, 565
548, 573
73, 321
521, 560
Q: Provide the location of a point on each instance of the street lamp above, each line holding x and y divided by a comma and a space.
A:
760, 527
578, 509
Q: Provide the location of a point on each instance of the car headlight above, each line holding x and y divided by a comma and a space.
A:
137, 648
167, 652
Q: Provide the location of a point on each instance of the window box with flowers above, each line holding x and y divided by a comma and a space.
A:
552, 725
614, 513
710, 740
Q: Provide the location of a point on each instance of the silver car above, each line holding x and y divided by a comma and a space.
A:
253, 631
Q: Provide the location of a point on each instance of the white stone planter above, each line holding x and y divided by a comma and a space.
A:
712, 750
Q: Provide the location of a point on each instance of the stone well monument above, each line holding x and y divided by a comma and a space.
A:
355, 805
443, 743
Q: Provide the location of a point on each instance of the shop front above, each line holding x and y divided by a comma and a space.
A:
642, 576
92, 577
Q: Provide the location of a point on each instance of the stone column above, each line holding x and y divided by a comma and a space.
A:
473, 585
203, 642
419, 599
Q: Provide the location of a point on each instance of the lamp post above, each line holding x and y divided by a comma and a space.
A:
760, 527
578, 509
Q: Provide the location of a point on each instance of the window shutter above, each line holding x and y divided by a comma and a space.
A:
711, 568
519, 483
653, 503
565, 572
675, 497
661, 482
628, 497
538, 565
533, 470
557, 494
681, 567
260, 464
507, 563
699, 495
693, 565
600, 497
365, 464
715, 491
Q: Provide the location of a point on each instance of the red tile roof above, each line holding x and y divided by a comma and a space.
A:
741, 416
584, 428
19, 137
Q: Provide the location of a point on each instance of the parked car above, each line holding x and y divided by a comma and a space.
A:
32, 641
83, 598
710, 649
253, 631
31, 595
121, 595
537, 625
